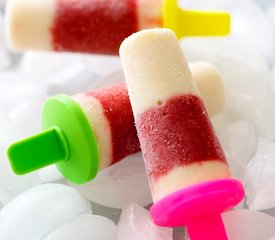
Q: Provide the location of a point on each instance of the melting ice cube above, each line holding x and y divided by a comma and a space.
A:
260, 185
248, 225
84, 227
38, 210
113, 186
136, 224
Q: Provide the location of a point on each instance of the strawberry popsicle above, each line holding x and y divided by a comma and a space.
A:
105, 119
93, 26
179, 145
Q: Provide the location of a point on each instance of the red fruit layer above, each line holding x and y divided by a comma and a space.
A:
176, 134
93, 26
118, 111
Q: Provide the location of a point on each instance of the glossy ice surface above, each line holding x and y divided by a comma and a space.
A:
245, 60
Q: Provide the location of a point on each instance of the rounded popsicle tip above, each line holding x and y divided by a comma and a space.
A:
155, 68
28, 24
141, 39
210, 84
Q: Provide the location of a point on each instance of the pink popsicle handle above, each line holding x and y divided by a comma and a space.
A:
199, 208
207, 228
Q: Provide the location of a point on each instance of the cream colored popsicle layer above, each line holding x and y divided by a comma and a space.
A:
149, 13
29, 23
89, 26
153, 72
177, 139
95, 113
210, 85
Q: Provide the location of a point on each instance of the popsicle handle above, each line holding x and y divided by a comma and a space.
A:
207, 228
38, 151
198, 23
194, 23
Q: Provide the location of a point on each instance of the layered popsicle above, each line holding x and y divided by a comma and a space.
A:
93, 26
95, 129
179, 145
110, 114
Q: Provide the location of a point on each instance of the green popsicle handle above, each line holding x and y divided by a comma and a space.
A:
38, 151
68, 140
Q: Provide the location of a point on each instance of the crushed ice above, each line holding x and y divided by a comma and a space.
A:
246, 128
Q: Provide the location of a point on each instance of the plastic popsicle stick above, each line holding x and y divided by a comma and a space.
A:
209, 227
199, 208
194, 23
67, 140
38, 151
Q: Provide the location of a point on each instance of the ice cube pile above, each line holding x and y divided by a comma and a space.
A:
43, 205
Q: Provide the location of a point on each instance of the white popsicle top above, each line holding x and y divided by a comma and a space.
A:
210, 85
156, 53
149, 13
29, 23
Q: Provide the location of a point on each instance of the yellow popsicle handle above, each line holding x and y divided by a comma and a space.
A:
194, 23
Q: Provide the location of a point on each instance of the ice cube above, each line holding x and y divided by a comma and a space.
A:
248, 225
73, 80
5, 59
272, 84
240, 142
50, 174
271, 14
10, 184
260, 175
136, 224
17, 88
110, 213
40, 209
84, 227
69, 73
113, 78
265, 3
2, 3
113, 186
27, 116
47, 63
247, 20
270, 211
61, 72
247, 88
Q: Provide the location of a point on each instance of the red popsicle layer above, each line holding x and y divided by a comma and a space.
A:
117, 109
93, 26
175, 134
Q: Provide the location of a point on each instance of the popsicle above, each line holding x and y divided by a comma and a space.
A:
90, 131
92, 26
189, 176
